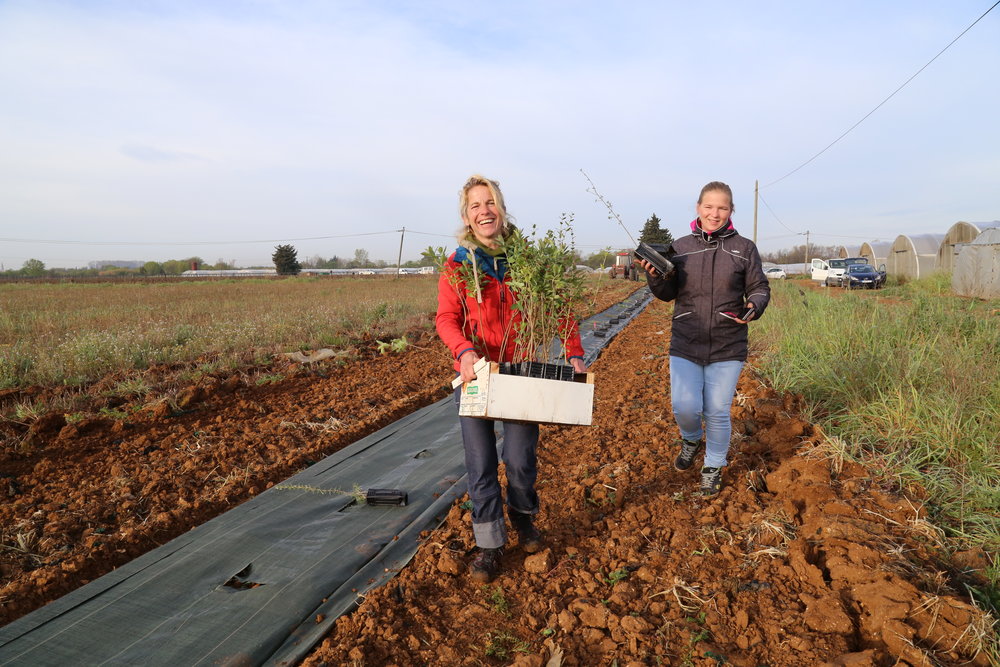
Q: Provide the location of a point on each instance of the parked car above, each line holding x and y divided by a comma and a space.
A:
775, 272
863, 276
833, 271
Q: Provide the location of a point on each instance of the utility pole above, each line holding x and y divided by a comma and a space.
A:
755, 191
805, 263
399, 258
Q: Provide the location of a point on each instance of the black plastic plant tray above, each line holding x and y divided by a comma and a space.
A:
537, 369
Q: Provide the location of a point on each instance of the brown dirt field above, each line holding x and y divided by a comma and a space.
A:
800, 560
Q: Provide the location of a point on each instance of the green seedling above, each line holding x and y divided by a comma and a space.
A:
550, 290
503, 644
114, 413
496, 599
621, 574
396, 345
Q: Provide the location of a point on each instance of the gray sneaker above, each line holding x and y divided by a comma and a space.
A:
711, 481
686, 457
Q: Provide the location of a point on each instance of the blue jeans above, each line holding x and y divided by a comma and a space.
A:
705, 392
519, 454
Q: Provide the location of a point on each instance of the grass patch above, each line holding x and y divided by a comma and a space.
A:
908, 380
73, 333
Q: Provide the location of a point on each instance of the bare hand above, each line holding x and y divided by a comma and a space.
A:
647, 267
466, 362
578, 365
750, 314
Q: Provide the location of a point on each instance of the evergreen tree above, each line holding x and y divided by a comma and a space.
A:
653, 233
286, 261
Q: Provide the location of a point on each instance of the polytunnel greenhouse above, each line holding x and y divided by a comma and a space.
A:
876, 252
914, 256
960, 234
846, 251
977, 267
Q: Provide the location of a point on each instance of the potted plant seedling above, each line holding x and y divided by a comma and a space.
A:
550, 293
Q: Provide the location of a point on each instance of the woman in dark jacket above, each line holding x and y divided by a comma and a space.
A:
718, 286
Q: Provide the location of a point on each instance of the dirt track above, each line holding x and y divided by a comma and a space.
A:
799, 560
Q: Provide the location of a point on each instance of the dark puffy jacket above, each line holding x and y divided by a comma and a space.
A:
714, 273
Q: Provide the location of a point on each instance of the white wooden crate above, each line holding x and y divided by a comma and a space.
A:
513, 397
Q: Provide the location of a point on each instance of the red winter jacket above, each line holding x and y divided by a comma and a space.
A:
487, 323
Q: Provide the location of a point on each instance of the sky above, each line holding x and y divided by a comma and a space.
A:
156, 130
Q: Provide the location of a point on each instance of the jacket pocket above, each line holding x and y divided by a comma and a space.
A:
679, 316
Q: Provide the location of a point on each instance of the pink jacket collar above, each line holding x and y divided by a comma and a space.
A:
696, 228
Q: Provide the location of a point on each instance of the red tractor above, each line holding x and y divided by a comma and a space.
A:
624, 267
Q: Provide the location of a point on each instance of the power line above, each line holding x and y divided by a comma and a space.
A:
885, 100
775, 214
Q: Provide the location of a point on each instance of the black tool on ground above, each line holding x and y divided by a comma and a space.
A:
652, 255
386, 497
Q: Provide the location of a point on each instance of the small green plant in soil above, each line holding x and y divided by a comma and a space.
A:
396, 345
621, 574
496, 600
503, 645
269, 378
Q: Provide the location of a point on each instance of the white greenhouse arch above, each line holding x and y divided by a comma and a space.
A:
914, 256
977, 267
957, 236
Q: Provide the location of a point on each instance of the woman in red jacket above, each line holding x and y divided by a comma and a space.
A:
475, 319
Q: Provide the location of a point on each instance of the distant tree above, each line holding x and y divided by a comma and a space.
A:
285, 260
33, 268
600, 259
360, 260
152, 269
653, 233
314, 262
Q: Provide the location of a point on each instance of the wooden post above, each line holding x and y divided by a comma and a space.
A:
805, 264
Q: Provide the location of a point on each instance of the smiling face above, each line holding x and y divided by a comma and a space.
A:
482, 216
714, 210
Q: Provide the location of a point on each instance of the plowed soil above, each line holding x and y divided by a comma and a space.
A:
803, 559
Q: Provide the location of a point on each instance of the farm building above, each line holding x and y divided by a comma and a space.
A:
958, 235
876, 252
914, 256
977, 267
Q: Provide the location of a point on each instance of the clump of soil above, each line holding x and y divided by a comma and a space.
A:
800, 560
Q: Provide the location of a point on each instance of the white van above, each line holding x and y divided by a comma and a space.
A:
833, 271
